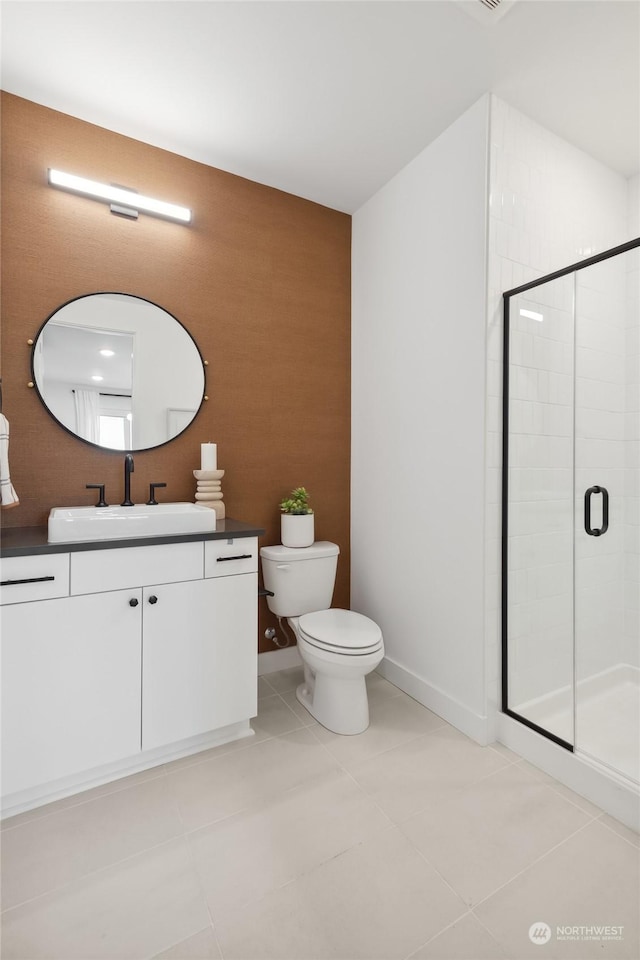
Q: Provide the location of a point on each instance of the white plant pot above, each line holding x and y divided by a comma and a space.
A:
296, 530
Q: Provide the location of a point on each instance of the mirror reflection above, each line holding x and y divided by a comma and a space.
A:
118, 371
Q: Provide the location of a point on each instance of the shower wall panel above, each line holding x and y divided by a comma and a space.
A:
631, 653
601, 300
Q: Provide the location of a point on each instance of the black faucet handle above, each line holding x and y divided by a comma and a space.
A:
98, 486
152, 502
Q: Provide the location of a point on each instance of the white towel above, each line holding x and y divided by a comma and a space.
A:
8, 496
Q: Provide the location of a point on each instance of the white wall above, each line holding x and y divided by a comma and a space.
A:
418, 388
634, 207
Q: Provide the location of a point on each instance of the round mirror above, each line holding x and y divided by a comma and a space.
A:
118, 371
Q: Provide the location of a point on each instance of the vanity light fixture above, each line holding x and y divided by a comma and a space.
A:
97, 378
107, 353
123, 201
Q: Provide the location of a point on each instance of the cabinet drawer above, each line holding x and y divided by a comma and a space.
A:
40, 577
96, 571
223, 558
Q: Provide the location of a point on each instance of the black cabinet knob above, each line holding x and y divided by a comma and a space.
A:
153, 599
133, 602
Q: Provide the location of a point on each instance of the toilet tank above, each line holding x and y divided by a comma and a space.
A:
301, 579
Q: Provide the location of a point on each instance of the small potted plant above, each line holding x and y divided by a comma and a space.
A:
296, 521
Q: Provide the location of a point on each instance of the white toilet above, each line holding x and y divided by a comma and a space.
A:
338, 647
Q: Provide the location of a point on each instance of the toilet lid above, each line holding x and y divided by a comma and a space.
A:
340, 629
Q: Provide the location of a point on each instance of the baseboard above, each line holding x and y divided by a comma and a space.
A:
477, 727
274, 660
86, 780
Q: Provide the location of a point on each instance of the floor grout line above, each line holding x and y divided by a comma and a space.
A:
379, 753
176, 943
533, 863
557, 787
232, 746
308, 871
438, 934
611, 829
437, 871
206, 903
520, 872
80, 802
461, 786
500, 943
369, 797
93, 873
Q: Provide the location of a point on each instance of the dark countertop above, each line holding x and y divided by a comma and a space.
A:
27, 541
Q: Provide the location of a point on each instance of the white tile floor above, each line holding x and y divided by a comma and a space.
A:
407, 841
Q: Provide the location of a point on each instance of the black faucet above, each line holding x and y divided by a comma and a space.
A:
128, 470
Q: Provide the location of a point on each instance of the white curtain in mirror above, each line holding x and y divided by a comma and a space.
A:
86, 403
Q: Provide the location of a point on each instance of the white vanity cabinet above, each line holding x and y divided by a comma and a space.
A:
195, 680
136, 655
70, 687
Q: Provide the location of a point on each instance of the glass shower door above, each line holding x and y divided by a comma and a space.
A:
607, 497
571, 550
540, 510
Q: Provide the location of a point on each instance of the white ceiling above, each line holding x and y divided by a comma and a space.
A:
326, 100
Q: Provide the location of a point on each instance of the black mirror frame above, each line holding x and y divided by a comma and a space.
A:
89, 443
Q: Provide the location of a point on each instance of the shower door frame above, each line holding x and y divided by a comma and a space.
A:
506, 296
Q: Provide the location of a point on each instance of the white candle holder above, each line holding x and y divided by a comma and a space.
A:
209, 491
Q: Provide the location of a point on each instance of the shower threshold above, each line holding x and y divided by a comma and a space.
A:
607, 717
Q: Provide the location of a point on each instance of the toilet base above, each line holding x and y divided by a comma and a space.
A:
334, 689
339, 705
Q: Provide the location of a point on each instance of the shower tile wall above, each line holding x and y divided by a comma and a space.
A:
632, 465
601, 300
550, 205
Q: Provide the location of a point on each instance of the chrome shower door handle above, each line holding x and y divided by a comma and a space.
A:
597, 531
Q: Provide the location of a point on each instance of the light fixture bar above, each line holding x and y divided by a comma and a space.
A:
118, 195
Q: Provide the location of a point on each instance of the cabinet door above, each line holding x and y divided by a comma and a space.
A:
70, 686
199, 657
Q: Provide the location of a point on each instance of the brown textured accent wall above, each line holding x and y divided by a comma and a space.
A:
261, 280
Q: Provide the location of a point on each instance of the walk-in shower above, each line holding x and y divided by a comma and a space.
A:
571, 508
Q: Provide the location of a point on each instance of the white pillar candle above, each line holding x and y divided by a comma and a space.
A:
208, 456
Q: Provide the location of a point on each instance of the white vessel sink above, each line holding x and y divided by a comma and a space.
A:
74, 524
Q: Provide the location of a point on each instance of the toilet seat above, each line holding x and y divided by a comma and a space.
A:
342, 632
